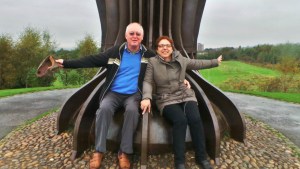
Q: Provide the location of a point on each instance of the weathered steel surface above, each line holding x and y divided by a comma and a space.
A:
70, 109
179, 19
144, 140
232, 120
209, 119
85, 120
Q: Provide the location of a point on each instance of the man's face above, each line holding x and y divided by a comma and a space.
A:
134, 35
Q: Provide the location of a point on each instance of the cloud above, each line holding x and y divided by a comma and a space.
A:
224, 22
248, 23
68, 21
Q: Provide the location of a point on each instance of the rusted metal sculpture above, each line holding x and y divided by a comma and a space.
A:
179, 19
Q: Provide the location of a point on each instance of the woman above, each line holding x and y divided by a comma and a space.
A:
176, 102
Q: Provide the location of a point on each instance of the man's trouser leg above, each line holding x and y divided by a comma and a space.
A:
110, 103
131, 119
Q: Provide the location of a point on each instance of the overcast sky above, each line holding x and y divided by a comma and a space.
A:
224, 23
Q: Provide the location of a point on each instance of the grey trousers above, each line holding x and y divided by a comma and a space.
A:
108, 106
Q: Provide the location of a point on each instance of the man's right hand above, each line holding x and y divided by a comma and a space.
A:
60, 62
146, 106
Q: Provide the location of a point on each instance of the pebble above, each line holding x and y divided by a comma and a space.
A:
37, 146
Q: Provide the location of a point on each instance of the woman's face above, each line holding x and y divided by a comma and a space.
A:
164, 49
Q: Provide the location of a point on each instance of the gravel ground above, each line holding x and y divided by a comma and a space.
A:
37, 146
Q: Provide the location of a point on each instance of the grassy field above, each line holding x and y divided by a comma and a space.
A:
11, 92
231, 72
235, 70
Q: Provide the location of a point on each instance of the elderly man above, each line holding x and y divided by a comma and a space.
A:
126, 65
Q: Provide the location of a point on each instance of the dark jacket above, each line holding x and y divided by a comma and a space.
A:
171, 90
110, 60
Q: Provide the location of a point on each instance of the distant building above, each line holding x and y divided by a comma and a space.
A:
200, 47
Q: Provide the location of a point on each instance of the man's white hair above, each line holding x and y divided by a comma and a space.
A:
142, 30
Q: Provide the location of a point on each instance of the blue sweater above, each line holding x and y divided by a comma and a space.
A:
126, 80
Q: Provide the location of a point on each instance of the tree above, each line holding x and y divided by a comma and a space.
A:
85, 47
48, 46
7, 76
31, 47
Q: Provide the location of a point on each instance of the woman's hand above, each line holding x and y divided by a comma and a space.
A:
220, 58
187, 83
146, 106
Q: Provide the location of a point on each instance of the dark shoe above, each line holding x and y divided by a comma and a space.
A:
180, 166
124, 162
205, 164
95, 162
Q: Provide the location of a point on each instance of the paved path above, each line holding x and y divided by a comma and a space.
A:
285, 117
15, 110
282, 116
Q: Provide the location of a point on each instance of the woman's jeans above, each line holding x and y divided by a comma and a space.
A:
180, 115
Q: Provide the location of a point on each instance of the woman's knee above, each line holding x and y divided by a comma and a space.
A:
180, 122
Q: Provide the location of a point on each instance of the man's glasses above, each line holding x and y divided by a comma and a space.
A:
136, 33
164, 45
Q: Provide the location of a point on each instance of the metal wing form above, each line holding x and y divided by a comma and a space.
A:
179, 19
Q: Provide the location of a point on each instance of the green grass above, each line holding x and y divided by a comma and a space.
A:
11, 92
234, 71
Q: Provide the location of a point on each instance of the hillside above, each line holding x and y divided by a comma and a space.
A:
235, 76
235, 70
